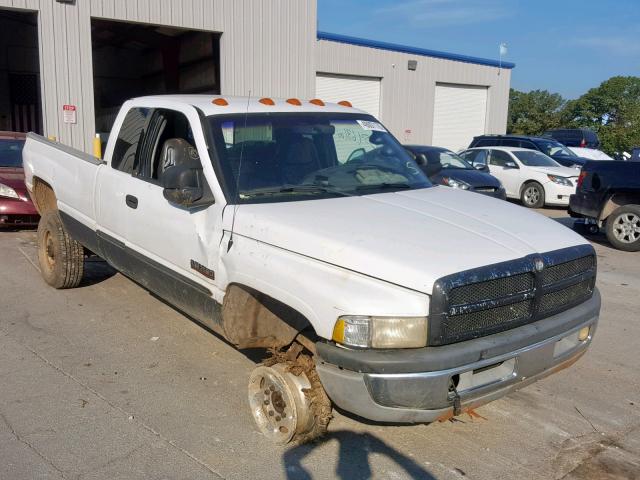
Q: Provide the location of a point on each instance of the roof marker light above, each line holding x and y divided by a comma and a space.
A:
267, 101
345, 103
317, 101
221, 102
294, 101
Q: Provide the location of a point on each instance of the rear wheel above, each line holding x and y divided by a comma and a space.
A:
532, 195
623, 228
287, 400
61, 258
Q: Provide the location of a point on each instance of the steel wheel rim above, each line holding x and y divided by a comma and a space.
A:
272, 405
626, 228
49, 250
531, 195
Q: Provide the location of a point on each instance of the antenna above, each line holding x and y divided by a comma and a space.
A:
237, 203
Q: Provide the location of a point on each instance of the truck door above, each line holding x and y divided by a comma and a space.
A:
172, 250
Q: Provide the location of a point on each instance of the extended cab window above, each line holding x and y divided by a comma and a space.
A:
283, 157
125, 152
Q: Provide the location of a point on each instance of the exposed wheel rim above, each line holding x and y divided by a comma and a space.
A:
278, 403
50, 251
626, 228
531, 195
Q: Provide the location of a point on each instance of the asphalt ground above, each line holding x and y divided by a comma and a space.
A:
105, 381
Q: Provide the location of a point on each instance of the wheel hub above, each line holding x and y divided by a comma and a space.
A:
278, 403
50, 250
627, 228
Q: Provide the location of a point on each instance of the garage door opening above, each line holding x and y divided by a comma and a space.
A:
19, 72
362, 92
131, 60
459, 114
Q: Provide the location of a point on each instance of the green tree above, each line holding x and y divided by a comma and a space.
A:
612, 110
531, 113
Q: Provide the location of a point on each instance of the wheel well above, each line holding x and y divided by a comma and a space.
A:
617, 200
43, 196
252, 319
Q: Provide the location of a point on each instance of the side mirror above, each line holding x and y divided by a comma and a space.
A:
510, 165
481, 166
432, 169
421, 159
181, 175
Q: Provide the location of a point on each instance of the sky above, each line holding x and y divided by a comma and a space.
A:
564, 46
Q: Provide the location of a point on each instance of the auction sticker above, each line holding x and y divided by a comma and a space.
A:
368, 125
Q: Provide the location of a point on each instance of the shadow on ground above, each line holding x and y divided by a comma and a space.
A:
355, 450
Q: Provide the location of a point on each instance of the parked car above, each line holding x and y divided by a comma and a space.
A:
608, 194
590, 153
548, 146
574, 137
533, 177
16, 208
444, 167
308, 229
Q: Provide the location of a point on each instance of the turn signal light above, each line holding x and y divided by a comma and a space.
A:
317, 101
267, 101
221, 102
345, 103
294, 101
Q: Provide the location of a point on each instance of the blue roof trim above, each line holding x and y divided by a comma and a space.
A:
362, 42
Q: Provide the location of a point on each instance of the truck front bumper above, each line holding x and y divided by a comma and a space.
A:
402, 386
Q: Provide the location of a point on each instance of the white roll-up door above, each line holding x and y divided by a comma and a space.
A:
459, 114
362, 92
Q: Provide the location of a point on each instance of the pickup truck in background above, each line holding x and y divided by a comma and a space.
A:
307, 229
608, 193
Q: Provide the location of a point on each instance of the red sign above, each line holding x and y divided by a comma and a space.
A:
69, 114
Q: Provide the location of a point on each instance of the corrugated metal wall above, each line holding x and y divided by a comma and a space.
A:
267, 47
407, 97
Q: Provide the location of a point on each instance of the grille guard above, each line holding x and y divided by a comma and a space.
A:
541, 297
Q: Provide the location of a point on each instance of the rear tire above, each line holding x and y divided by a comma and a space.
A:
532, 195
623, 228
61, 258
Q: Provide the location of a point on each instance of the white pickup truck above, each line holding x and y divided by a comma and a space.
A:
307, 229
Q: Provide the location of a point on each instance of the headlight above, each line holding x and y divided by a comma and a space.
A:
7, 192
560, 180
381, 332
450, 182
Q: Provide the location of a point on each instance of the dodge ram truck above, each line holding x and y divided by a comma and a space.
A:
305, 228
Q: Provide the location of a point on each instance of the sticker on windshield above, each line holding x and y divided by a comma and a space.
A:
368, 125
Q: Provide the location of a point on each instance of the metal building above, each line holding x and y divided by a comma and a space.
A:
66, 66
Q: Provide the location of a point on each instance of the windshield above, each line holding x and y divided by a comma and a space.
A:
449, 160
555, 148
11, 153
532, 158
283, 157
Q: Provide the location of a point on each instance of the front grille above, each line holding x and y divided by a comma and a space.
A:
499, 297
487, 321
498, 288
567, 296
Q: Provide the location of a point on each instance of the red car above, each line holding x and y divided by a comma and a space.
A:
16, 208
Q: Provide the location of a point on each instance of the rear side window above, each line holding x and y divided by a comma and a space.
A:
125, 152
511, 142
486, 142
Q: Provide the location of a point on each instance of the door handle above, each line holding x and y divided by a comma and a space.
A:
132, 202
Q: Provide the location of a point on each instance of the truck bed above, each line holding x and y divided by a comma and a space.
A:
58, 164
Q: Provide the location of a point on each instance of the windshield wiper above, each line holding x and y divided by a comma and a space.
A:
291, 189
385, 186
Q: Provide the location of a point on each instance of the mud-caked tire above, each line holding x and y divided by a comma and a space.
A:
287, 400
61, 258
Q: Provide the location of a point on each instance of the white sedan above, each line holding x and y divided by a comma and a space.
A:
533, 177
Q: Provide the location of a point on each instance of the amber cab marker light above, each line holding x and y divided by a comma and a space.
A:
344, 103
267, 101
294, 101
317, 101
221, 102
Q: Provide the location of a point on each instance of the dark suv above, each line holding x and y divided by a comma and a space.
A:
574, 137
548, 146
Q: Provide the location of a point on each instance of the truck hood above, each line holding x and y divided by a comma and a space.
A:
409, 238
